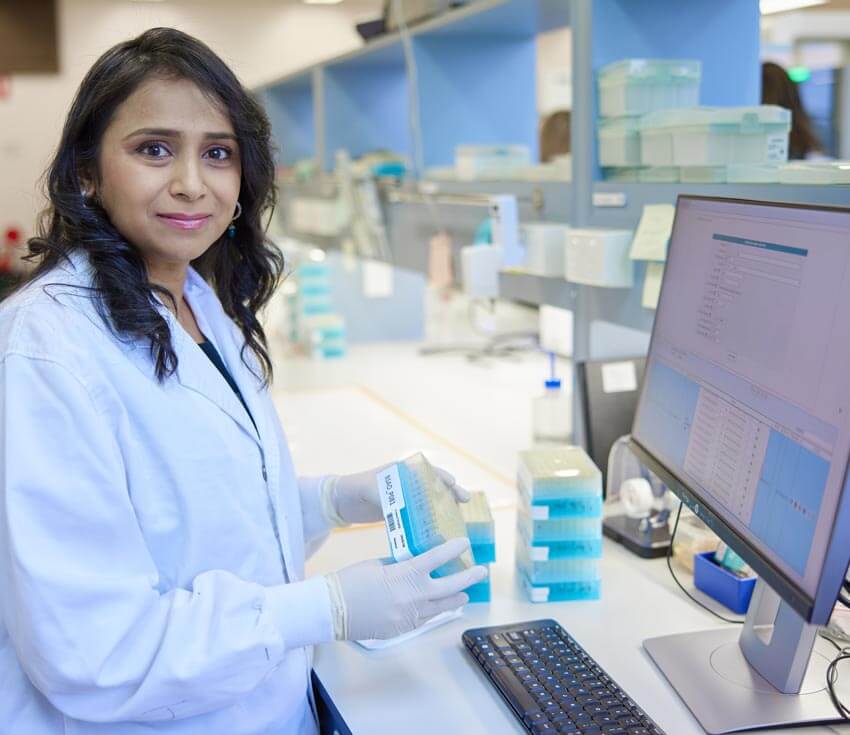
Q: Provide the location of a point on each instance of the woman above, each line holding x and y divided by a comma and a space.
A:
778, 89
152, 529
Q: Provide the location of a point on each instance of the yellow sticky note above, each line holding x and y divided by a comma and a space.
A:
653, 232
652, 285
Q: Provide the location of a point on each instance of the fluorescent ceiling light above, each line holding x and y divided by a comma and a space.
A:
780, 6
321, 2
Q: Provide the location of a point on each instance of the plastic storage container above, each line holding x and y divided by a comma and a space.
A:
815, 172
622, 175
638, 86
545, 247
658, 175
584, 505
656, 139
483, 162
420, 512
753, 173
619, 142
478, 519
597, 257
560, 539
703, 174
717, 136
721, 584
556, 570
549, 475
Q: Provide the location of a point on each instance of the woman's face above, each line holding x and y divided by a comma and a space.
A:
169, 172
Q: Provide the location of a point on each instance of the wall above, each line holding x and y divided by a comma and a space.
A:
260, 39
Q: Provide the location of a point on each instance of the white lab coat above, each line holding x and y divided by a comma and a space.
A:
151, 545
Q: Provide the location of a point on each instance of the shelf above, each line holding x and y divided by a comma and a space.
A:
639, 195
588, 303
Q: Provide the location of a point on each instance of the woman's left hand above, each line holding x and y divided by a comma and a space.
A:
354, 498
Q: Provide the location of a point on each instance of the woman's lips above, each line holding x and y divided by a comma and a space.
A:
193, 222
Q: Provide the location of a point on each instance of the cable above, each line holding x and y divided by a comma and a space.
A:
832, 678
681, 586
844, 594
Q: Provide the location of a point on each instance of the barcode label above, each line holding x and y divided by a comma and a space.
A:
392, 502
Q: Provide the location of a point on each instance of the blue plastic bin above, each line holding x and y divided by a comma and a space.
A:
721, 584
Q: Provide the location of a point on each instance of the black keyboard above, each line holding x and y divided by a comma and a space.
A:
552, 684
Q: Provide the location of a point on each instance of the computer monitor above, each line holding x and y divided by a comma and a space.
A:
744, 413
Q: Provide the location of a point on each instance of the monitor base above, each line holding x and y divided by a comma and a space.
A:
725, 694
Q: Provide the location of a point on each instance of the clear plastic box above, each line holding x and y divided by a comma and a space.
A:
420, 512
478, 519
619, 142
656, 140
554, 473
583, 587
659, 175
717, 136
553, 571
622, 175
703, 174
815, 172
638, 86
600, 257
752, 173
569, 506
488, 162
564, 538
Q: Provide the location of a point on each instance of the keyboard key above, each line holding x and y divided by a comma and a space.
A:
543, 728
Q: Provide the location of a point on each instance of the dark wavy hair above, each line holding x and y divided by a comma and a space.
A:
243, 270
777, 88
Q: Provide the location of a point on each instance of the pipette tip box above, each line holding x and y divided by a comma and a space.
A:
420, 512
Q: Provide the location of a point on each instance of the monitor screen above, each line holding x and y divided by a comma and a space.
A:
746, 398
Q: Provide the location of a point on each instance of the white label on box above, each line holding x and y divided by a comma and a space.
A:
539, 594
540, 553
609, 199
777, 147
540, 512
556, 329
377, 279
392, 501
619, 377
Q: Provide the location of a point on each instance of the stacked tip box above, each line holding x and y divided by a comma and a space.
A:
482, 537
559, 524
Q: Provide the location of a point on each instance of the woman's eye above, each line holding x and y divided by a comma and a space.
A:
220, 153
153, 150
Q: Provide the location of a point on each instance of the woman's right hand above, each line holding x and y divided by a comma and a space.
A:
377, 599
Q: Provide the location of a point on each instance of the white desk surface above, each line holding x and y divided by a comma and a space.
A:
379, 404
430, 685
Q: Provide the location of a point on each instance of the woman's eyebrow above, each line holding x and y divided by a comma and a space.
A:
167, 133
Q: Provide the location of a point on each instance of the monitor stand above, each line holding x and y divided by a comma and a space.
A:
773, 674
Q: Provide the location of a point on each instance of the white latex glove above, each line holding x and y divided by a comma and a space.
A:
382, 599
354, 498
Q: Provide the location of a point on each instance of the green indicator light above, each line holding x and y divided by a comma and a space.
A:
799, 74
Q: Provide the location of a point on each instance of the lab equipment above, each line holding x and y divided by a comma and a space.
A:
619, 142
703, 174
550, 475
559, 571
715, 136
479, 268
780, 499
420, 512
731, 589
545, 248
490, 162
559, 532
539, 693
481, 530
637, 504
639, 86
753, 173
608, 392
815, 172
659, 174
562, 538
504, 221
552, 412
598, 257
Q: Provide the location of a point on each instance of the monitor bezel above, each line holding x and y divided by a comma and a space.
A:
815, 609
